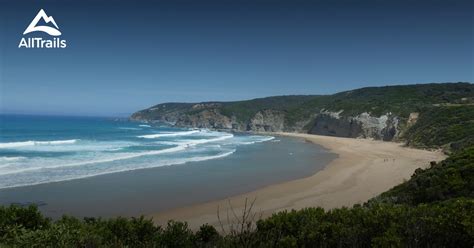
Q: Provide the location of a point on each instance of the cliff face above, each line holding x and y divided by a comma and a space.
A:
364, 125
267, 121
210, 116
207, 118
384, 113
329, 123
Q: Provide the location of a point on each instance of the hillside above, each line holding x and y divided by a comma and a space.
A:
434, 208
388, 113
442, 125
451, 178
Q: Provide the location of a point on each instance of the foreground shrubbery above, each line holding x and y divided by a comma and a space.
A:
435, 208
449, 223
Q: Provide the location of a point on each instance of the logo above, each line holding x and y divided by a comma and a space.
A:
40, 42
47, 29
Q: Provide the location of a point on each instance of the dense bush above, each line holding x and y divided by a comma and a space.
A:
400, 100
453, 177
449, 223
382, 225
443, 125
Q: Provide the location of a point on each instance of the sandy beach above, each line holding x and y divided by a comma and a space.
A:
364, 169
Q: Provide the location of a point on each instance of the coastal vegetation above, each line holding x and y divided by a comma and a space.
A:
435, 208
372, 112
400, 99
452, 125
451, 178
445, 224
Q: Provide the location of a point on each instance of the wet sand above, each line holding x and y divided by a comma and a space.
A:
364, 168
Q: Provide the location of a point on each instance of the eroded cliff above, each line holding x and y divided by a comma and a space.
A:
383, 113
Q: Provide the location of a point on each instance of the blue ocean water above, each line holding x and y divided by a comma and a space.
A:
42, 149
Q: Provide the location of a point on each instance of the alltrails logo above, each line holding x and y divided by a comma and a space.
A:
39, 42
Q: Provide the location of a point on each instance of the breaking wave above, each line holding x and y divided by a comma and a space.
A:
172, 134
35, 143
111, 150
35, 179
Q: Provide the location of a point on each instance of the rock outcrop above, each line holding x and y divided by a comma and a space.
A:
267, 121
209, 116
364, 125
384, 113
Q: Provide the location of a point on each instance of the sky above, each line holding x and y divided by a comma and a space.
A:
126, 55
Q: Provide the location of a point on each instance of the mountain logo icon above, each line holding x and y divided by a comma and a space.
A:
47, 29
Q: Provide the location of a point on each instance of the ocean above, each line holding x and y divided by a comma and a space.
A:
90, 166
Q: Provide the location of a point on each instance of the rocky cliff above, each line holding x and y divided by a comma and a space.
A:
383, 113
384, 127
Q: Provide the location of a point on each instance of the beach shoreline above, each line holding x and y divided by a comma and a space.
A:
363, 169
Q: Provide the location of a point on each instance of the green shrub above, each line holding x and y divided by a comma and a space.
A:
435, 208
453, 177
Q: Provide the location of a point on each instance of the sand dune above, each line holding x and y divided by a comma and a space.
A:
364, 169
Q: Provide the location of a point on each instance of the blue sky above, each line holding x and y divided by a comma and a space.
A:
123, 56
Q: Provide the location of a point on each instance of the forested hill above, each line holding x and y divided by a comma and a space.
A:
389, 113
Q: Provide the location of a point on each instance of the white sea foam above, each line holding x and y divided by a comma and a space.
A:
82, 146
173, 134
144, 166
144, 125
56, 142
129, 128
89, 158
194, 142
204, 141
35, 143
239, 140
8, 159
264, 139
97, 161
254, 139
